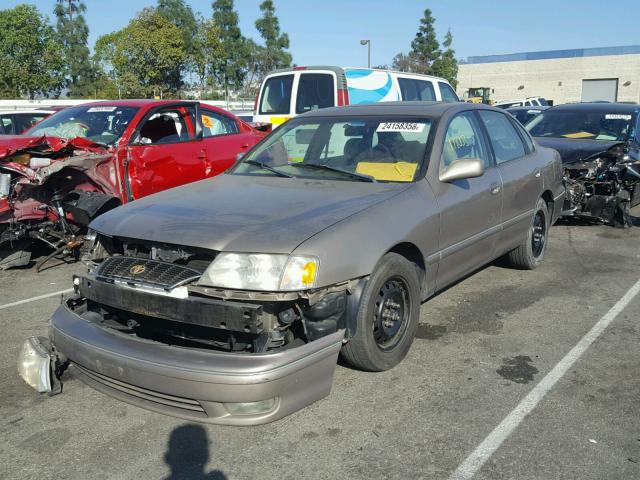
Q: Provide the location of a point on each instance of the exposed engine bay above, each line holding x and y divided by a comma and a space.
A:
50, 189
603, 187
150, 291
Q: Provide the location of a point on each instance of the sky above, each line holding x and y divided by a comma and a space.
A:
328, 32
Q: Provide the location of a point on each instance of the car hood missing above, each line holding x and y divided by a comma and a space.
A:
241, 213
573, 150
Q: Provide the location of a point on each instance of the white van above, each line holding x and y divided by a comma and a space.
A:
292, 91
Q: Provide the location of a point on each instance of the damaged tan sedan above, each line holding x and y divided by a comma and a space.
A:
229, 300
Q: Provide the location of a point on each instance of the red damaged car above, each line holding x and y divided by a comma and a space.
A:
85, 160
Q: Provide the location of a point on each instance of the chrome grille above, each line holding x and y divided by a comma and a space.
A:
143, 271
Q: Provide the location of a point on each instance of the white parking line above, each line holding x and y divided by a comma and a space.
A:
483, 452
33, 299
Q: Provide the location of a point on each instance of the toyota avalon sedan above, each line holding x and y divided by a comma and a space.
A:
229, 300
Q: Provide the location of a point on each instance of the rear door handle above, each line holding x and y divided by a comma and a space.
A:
537, 173
495, 189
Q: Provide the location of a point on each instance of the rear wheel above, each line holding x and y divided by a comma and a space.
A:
530, 253
387, 316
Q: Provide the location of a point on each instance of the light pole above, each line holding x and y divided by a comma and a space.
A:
368, 43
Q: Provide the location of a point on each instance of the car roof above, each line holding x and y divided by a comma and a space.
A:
25, 112
413, 108
141, 102
597, 107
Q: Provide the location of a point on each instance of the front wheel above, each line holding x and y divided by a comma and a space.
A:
530, 253
387, 316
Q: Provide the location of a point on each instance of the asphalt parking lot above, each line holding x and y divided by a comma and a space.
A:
483, 345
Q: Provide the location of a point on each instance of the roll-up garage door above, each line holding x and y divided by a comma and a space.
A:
601, 89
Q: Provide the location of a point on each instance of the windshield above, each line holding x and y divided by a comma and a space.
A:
350, 149
580, 124
101, 124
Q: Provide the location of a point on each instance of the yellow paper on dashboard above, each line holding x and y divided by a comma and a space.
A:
579, 135
395, 172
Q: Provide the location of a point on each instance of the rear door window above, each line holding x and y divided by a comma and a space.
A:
215, 124
447, 93
507, 144
276, 95
315, 90
412, 89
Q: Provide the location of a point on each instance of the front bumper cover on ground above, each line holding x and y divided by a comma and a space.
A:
195, 384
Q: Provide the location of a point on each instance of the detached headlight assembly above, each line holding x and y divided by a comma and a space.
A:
261, 271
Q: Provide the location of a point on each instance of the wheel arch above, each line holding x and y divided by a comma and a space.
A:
411, 252
547, 196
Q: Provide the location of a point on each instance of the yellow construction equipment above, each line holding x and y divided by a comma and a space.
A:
480, 95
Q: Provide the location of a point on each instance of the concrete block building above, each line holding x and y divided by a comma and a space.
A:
562, 76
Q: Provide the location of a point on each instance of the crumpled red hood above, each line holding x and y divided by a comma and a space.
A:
45, 145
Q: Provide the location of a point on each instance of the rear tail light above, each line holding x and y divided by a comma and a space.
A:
343, 97
299, 68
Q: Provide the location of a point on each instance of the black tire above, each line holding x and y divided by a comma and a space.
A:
387, 316
530, 253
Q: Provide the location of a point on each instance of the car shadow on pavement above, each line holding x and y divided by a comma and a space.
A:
188, 453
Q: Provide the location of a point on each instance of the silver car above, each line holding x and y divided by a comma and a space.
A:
229, 300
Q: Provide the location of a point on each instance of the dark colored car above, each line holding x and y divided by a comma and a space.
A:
600, 148
525, 114
228, 300
87, 159
16, 122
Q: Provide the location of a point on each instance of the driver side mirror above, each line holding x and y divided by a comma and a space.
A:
461, 169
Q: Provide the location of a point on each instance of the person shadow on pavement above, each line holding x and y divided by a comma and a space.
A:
188, 453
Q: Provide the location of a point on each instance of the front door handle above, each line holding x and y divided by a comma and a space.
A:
495, 189
537, 173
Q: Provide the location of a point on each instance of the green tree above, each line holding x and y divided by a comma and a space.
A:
274, 54
425, 46
208, 52
229, 69
30, 56
73, 33
182, 16
447, 66
138, 57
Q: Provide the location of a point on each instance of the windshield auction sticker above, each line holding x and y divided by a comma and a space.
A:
101, 109
617, 116
410, 127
